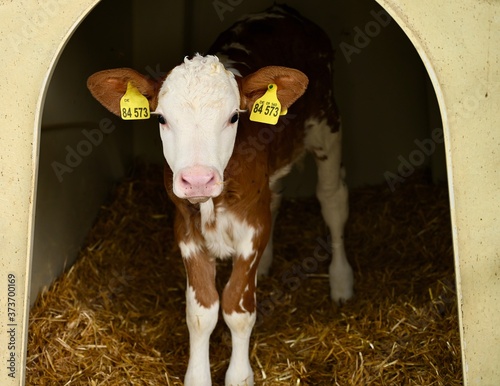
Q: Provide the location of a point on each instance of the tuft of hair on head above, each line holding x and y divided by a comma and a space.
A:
199, 62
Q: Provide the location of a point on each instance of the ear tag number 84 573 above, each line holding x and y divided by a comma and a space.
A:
267, 108
134, 105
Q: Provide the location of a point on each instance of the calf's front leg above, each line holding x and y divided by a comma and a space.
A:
202, 309
239, 312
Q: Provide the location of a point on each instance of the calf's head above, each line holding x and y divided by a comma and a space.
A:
198, 106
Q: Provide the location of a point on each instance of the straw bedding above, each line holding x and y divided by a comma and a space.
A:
117, 316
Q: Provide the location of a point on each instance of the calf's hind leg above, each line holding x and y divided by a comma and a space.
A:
267, 257
332, 194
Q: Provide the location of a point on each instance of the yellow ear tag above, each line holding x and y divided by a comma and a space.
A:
267, 108
134, 105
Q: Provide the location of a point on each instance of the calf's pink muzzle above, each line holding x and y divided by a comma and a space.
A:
197, 183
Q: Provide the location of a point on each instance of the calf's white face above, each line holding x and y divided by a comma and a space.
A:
198, 107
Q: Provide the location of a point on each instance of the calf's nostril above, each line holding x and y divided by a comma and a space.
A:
197, 179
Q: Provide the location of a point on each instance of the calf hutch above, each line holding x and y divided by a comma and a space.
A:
94, 285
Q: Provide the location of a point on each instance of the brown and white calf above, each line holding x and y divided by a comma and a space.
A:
223, 171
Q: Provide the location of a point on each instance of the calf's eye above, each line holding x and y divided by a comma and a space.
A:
234, 118
161, 119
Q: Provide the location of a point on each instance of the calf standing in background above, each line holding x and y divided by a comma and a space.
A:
223, 170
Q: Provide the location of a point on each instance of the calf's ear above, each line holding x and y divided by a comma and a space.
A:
291, 85
109, 86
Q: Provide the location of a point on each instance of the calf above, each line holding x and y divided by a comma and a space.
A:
223, 170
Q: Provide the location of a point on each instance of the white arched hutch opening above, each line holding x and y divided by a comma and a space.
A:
456, 41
